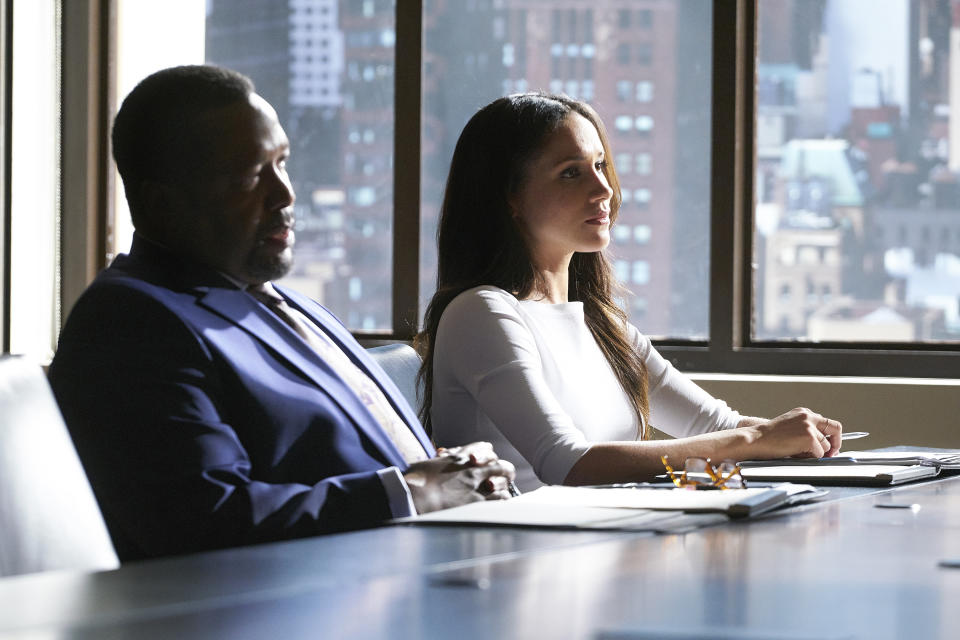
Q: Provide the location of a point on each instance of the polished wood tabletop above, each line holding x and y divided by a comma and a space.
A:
867, 566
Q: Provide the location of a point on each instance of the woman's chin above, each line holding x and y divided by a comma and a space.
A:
600, 242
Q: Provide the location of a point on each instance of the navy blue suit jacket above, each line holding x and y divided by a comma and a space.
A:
204, 421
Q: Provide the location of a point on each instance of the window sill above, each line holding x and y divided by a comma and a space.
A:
896, 411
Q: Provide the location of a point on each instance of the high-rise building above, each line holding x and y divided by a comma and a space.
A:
618, 55
361, 291
333, 83
316, 53
293, 50
243, 35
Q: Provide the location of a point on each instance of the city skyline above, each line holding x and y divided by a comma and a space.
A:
333, 88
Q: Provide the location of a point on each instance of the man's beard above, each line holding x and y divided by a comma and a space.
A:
264, 267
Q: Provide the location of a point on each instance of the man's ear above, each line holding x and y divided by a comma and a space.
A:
151, 197
514, 207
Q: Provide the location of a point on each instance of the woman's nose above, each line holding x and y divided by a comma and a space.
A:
602, 190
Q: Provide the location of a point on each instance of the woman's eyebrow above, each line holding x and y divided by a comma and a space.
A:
576, 158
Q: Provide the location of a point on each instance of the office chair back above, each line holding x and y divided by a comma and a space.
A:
49, 518
401, 362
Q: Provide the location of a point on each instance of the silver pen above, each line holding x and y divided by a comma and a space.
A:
853, 435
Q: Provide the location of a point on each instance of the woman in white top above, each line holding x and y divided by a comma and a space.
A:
524, 345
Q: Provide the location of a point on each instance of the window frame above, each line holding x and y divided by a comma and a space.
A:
6, 104
729, 347
89, 48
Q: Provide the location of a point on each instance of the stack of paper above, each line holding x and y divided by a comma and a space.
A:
634, 508
840, 474
940, 459
871, 468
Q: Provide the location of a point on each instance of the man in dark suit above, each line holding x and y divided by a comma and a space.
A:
211, 408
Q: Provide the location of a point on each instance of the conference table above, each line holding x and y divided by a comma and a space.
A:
866, 564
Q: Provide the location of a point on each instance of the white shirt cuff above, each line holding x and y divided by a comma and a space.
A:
398, 493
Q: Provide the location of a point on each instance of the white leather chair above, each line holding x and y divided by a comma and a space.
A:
401, 362
49, 518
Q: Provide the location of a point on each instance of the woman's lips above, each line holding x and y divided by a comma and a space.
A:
601, 219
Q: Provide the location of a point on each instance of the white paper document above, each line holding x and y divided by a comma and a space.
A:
840, 473
653, 509
941, 459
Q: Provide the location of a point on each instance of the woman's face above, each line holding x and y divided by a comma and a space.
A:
563, 205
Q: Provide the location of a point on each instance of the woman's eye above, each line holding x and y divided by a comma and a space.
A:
570, 172
600, 165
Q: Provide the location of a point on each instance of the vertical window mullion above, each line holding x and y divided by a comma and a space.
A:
6, 75
731, 190
745, 162
85, 155
406, 168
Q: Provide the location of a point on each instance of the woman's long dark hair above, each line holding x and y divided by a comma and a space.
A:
479, 242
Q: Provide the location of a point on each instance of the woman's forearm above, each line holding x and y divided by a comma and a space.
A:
799, 432
610, 462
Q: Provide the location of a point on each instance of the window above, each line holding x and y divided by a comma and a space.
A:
642, 233
621, 268
638, 307
623, 123
642, 197
852, 150
362, 196
644, 54
852, 111
144, 47
678, 272
644, 164
587, 90
337, 110
621, 233
32, 319
643, 124
645, 18
644, 91
641, 272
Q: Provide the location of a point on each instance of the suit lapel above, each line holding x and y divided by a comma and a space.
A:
251, 316
156, 263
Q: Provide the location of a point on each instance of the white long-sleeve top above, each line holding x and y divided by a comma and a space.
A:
528, 377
